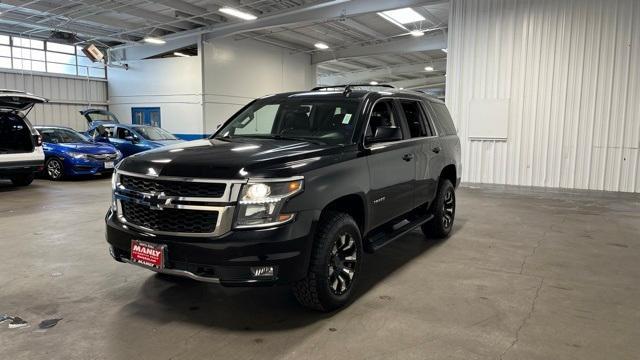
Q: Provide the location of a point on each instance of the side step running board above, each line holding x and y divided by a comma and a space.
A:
382, 238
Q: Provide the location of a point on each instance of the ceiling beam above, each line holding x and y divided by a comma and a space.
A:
359, 77
83, 30
314, 12
191, 9
403, 45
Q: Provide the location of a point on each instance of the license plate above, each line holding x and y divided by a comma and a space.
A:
147, 254
108, 165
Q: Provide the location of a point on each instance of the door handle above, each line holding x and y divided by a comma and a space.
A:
407, 157
436, 149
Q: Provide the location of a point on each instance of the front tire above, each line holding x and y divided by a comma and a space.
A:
335, 264
444, 212
55, 169
22, 180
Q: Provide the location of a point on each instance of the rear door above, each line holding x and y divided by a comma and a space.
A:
391, 167
424, 142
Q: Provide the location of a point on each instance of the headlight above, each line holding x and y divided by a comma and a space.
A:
77, 155
118, 155
114, 183
260, 203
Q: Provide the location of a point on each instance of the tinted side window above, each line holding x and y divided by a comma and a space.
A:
443, 120
416, 120
123, 133
383, 114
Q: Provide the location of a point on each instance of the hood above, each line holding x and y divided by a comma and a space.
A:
233, 159
159, 143
87, 148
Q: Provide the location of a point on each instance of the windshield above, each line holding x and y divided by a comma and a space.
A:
154, 133
326, 121
61, 136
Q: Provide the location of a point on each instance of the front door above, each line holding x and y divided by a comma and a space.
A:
146, 116
391, 168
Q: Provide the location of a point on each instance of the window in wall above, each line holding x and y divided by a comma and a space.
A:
22, 53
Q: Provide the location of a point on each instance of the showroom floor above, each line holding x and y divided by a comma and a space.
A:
526, 275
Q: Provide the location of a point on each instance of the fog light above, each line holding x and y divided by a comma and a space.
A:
262, 271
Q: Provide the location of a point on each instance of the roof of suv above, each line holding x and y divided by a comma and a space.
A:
340, 92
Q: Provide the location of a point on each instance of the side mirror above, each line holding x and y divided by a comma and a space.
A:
386, 134
131, 139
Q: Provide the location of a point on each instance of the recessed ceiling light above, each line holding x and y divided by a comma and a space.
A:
177, 53
237, 13
402, 16
373, 83
416, 33
400, 88
445, 51
154, 40
321, 46
428, 68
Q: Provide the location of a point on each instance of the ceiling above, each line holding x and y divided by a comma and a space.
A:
363, 46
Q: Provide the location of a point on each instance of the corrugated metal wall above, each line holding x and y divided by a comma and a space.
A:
571, 72
67, 96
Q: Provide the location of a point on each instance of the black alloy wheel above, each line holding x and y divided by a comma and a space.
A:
342, 264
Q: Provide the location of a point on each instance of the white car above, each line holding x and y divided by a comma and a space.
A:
21, 154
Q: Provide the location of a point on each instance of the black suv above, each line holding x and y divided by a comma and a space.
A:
291, 190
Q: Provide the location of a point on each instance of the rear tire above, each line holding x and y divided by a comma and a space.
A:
443, 210
54, 169
335, 264
22, 180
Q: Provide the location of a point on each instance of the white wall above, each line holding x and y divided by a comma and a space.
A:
237, 72
67, 96
570, 71
172, 84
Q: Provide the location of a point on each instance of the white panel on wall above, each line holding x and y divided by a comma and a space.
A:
488, 119
571, 71
67, 97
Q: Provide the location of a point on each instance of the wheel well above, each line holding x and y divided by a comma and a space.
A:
350, 204
449, 172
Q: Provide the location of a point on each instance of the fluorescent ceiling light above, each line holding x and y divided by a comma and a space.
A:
373, 83
237, 13
445, 51
428, 68
321, 46
416, 33
402, 16
180, 54
154, 40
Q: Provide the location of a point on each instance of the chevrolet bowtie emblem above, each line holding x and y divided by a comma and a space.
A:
156, 201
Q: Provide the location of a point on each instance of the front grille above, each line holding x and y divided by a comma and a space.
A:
103, 157
170, 220
173, 188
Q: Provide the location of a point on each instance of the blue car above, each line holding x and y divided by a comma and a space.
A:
129, 139
69, 153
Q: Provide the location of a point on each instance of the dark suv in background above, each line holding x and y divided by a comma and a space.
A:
291, 190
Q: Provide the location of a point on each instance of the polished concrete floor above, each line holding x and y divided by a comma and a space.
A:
527, 274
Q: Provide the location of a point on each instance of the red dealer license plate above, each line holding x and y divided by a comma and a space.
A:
147, 254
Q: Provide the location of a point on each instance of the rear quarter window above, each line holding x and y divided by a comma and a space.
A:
443, 122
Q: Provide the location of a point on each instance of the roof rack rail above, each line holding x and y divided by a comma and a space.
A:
347, 88
318, 88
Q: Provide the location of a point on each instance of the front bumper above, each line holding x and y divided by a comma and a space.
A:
78, 167
227, 259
